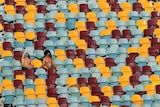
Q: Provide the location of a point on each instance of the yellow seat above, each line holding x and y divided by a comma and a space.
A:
150, 89
1, 2
156, 6
79, 63
7, 54
60, 17
41, 92
7, 84
73, 8
30, 35
99, 61
52, 102
126, 6
20, 37
111, 25
155, 80
85, 91
142, 24
60, 54
124, 80
114, 106
142, 1
81, 44
126, 70
9, 9
31, 9
91, 16
40, 83
94, 99
104, 6
1, 48
143, 51
74, 35
20, 77
80, 25
1, 27
71, 82
105, 71
136, 99
132, 50
105, 32
107, 91
158, 59
148, 6
29, 93
30, 18
157, 32
20, 2
37, 63
123, 15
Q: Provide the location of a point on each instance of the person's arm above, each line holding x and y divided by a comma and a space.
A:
54, 66
44, 64
23, 63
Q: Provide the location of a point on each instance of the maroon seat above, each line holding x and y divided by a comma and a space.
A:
153, 51
1, 19
116, 34
51, 1
62, 102
147, 70
18, 72
18, 27
110, 62
90, 26
81, 53
9, 2
82, 81
92, 81
20, 9
18, 84
29, 74
84, 8
17, 55
38, 45
89, 62
50, 82
155, 41
49, 26
52, 73
148, 32
118, 90
116, 7
52, 92
30, 2
110, 2
130, 61
152, 24
157, 89
70, 53
8, 27
136, 70
96, 90
105, 100
42, 9
124, 105
41, 36
137, 7
155, 15
134, 80
7, 46
92, 44
127, 34
133, 55
85, 35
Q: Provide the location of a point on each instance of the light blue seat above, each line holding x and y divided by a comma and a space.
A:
126, 100
16, 65
60, 26
39, 54
135, 42
113, 16
102, 43
60, 82
145, 15
19, 102
121, 25
85, 72
59, 63
81, 16
131, 24
9, 37
19, 93
100, 24
41, 73
101, 52
116, 100
140, 61
144, 79
129, 90
52, 35
155, 105
19, 18
71, 17
52, 8
102, 16
8, 74
41, 2
139, 88
30, 51
63, 73
74, 72
8, 18
132, 1
50, 16
137, 33
29, 27
30, 102
29, 83
151, 61
122, 52
146, 105
95, 72
74, 92
84, 101
39, 17
116, 71
63, 8
71, 44
134, 15
121, 1
18, 45
135, 105
52, 54
63, 92
2, 12
112, 52
95, 34
94, 7
41, 102
156, 69
156, 98
147, 99
40, 27
91, 53
113, 43
120, 61
70, 25
73, 101
124, 43
28, 44
113, 80
8, 96
103, 81
63, 35
60, 44
6, 65
68, 63
49, 44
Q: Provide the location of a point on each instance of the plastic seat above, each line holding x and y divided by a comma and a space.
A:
123, 15
60, 17
146, 70
155, 69
144, 79
137, 7
85, 72
85, 91
155, 15
9, 96
30, 93
48, 44
89, 63
145, 15
148, 6
63, 73
29, 18
73, 8
148, 100
92, 17
139, 89
20, 9
9, 9
29, 83
116, 7
51, 101
30, 2
134, 15
51, 35
129, 90
51, 92
137, 99
111, 25
41, 9
81, 53
8, 27
84, 8
38, 45
113, 81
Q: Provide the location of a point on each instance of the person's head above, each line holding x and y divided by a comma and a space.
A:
26, 54
47, 53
